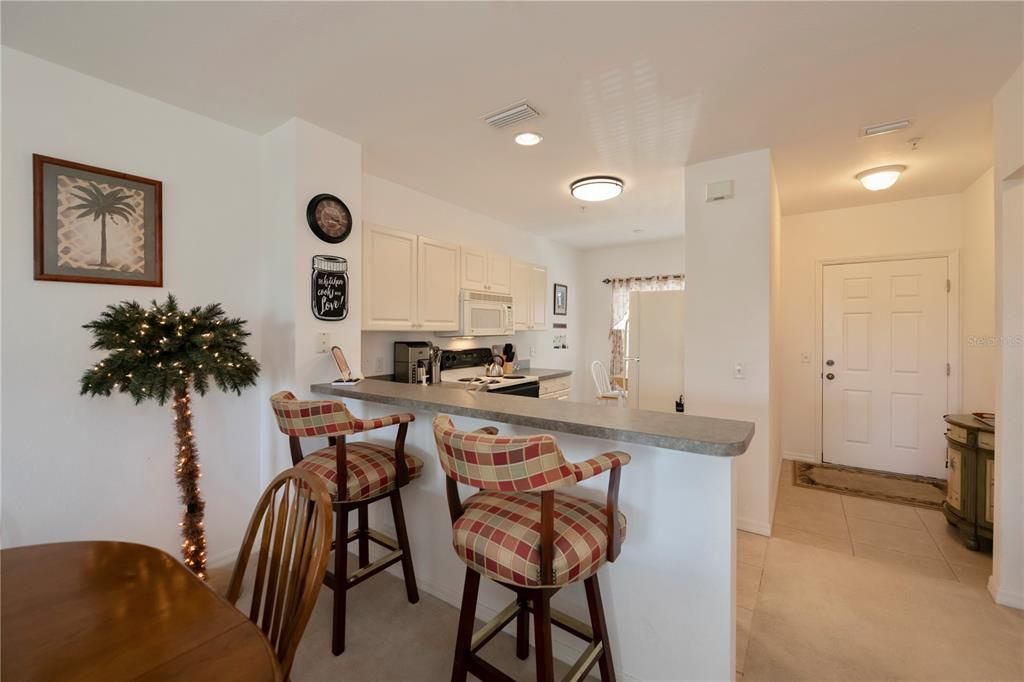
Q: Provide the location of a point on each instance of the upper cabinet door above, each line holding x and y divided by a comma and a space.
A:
499, 273
539, 292
474, 269
522, 295
438, 285
389, 279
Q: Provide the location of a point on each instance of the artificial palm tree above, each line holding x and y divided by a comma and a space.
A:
162, 353
100, 204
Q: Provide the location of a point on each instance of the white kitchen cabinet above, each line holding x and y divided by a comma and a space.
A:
409, 282
485, 270
438, 290
529, 296
389, 279
521, 295
499, 273
539, 297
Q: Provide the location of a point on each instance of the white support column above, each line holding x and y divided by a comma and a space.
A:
731, 285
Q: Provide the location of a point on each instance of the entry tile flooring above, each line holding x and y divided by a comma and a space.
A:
849, 588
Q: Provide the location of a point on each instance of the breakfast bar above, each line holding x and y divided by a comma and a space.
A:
670, 596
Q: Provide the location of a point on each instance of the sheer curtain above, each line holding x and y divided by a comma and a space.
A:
619, 332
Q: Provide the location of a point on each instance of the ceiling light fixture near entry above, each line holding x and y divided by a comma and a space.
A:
883, 177
596, 188
529, 139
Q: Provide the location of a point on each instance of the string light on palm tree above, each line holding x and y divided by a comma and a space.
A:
168, 354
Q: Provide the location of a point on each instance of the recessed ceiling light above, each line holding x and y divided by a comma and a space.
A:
596, 188
529, 139
883, 177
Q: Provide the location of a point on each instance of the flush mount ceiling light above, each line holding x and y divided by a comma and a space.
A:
596, 188
529, 139
883, 177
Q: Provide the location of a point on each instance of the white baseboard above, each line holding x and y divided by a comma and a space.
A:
801, 457
758, 527
1005, 597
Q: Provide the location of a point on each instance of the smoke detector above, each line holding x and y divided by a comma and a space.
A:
510, 115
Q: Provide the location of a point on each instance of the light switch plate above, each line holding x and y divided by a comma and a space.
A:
739, 371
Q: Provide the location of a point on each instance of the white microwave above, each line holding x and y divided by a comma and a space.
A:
483, 314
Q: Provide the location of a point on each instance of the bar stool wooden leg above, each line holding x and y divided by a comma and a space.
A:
542, 636
467, 619
522, 631
340, 579
403, 543
364, 536
600, 627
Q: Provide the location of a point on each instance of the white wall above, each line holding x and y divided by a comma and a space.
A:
639, 259
392, 205
728, 306
298, 161
1007, 583
916, 226
977, 296
103, 468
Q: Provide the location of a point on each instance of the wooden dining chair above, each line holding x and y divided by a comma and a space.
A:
293, 523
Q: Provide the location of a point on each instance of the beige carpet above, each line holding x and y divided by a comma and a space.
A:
918, 491
389, 639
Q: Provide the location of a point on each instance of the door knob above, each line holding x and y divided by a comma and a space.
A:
830, 376
830, 362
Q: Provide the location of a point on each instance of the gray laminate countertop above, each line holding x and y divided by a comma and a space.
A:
688, 433
543, 374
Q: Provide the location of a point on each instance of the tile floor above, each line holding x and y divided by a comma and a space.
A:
854, 589
845, 589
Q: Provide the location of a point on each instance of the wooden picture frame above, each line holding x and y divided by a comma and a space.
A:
560, 300
96, 226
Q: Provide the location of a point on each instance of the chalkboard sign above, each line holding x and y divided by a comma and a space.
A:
329, 288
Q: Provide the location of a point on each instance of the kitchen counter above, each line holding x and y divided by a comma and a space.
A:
543, 374
687, 433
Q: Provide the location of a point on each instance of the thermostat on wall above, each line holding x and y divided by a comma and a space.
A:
717, 191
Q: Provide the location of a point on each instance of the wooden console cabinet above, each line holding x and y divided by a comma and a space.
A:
970, 465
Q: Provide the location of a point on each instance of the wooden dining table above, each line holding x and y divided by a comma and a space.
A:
120, 611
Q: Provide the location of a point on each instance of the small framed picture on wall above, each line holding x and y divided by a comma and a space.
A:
561, 299
96, 226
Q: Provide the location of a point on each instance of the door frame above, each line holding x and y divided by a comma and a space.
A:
953, 386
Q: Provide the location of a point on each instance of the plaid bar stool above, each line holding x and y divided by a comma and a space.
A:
517, 532
371, 471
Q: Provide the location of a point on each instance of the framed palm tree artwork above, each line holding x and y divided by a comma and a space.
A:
95, 225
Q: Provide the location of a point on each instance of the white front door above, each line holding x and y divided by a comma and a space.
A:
655, 357
884, 372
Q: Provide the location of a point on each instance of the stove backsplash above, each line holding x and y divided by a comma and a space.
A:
378, 347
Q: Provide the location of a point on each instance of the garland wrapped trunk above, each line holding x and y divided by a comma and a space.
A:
164, 353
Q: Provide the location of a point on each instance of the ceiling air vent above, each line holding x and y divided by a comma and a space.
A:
883, 128
516, 113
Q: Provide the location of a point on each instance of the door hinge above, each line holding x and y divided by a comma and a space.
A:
948, 369
949, 286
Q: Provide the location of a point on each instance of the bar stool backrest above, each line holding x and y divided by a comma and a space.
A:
312, 417
507, 463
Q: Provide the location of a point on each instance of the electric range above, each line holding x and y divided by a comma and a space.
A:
466, 368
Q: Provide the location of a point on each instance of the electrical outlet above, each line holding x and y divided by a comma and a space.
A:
533, 351
323, 342
739, 371
378, 363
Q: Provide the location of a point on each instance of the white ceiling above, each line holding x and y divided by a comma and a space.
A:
636, 90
